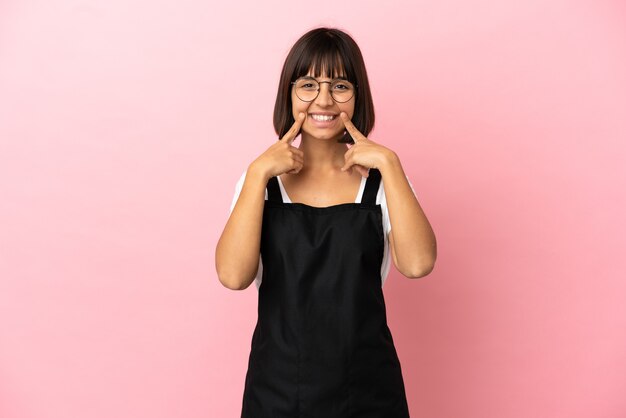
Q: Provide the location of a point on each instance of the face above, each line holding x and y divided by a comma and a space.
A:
323, 104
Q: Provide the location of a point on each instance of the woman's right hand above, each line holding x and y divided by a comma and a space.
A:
282, 157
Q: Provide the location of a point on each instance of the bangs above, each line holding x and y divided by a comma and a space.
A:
325, 59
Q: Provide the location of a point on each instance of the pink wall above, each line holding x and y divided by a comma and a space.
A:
124, 126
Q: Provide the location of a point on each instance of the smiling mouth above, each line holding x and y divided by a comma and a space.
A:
323, 118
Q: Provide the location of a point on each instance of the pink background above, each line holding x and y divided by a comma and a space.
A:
124, 126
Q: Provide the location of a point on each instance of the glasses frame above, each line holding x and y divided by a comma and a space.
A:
319, 88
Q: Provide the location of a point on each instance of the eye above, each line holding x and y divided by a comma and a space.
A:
341, 85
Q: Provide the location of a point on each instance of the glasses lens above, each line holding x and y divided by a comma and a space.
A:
306, 89
342, 90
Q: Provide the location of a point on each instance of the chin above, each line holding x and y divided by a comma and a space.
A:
324, 135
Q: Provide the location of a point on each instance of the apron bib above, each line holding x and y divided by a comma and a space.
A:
321, 347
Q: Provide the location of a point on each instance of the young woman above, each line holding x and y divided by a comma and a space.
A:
318, 254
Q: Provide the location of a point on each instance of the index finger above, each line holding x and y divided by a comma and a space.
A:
352, 130
295, 128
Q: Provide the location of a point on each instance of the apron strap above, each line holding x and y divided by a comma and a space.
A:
273, 190
371, 187
369, 193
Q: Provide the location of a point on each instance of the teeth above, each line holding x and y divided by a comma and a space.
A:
322, 117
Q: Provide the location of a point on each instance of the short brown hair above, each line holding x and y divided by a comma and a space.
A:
322, 49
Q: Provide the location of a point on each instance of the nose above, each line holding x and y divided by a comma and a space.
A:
324, 97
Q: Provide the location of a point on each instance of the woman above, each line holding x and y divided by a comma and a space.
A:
321, 346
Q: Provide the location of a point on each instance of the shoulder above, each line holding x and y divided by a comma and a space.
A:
381, 197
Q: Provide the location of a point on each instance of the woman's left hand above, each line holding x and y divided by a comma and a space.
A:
365, 153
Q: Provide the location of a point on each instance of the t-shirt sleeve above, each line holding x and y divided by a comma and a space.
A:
238, 188
383, 204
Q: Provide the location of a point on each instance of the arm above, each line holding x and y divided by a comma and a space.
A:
412, 240
237, 251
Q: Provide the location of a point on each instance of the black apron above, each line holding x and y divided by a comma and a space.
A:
321, 347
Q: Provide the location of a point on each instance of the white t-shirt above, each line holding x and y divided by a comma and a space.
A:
380, 199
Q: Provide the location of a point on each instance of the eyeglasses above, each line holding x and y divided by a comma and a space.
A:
308, 88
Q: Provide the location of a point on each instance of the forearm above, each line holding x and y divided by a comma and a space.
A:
413, 238
237, 251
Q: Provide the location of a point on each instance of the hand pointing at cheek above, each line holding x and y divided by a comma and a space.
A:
281, 156
365, 153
